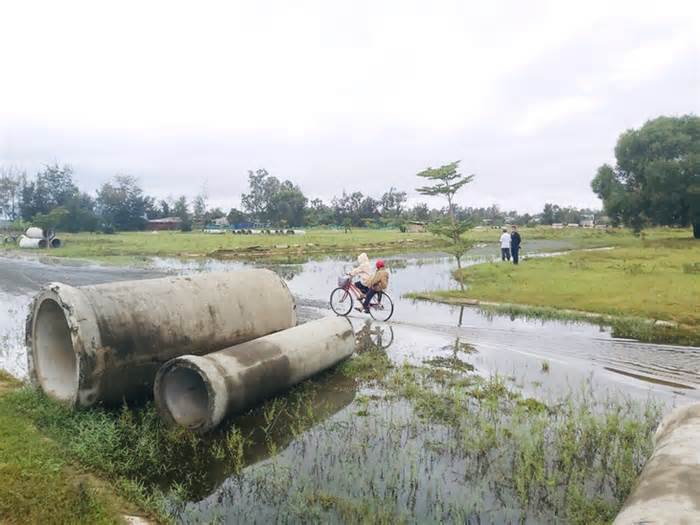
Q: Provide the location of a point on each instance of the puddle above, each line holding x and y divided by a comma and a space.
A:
353, 449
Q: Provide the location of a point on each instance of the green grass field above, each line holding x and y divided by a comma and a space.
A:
127, 246
37, 483
654, 278
198, 244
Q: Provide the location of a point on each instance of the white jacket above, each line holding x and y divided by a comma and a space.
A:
505, 240
363, 271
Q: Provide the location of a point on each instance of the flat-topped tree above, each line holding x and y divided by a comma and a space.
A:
446, 181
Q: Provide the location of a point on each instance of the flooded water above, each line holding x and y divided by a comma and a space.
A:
344, 445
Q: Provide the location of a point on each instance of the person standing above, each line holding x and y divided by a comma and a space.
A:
515, 244
505, 245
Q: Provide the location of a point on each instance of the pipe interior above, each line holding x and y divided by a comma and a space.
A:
55, 360
185, 395
55, 243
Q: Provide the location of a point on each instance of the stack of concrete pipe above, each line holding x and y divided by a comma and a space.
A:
36, 238
206, 346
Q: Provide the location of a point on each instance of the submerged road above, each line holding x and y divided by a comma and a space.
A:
544, 358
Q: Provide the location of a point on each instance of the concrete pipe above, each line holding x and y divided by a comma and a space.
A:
199, 392
55, 243
32, 243
668, 489
104, 343
35, 233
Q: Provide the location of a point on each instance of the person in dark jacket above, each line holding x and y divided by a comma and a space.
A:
515, 244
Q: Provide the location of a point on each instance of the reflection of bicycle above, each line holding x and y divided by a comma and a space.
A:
374, 337
381, 307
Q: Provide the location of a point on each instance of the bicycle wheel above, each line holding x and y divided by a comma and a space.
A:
381, 307
341, 301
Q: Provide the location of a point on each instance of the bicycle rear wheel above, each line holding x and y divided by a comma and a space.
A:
341, 301
381, 307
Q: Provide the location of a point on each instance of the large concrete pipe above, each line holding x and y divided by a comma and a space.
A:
668, 489
35, 233
106, 342
55, 243
198, 392
30, 242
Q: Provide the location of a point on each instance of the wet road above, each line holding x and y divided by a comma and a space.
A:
576, 354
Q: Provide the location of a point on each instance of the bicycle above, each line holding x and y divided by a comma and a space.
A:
381, 307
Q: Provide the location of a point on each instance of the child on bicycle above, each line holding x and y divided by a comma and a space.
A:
363, 273
377, 284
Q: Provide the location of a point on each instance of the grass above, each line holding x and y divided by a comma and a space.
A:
37, 483
124, 247
583, 237
129, 247
629, 286
431, 443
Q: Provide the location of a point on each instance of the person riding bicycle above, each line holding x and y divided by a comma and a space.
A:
377, 284
363, 272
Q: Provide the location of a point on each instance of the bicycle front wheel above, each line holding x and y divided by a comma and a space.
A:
341, 301
381, 307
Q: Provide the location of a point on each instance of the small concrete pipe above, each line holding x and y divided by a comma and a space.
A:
105, 343
198, 392
35, 233
31, 242
668, 489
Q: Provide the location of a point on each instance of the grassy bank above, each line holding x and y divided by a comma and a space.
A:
38, 484
197, 244
651, 280
362, 444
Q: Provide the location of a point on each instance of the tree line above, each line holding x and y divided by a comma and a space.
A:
52, 199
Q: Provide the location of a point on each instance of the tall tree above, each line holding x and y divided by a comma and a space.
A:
656, 179
11, 180
392, 202
445, 182
52, 187
121, 203
199, 207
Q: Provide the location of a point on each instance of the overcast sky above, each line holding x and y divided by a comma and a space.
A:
530, 95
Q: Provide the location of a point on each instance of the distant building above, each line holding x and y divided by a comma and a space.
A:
167, 223
221, 221
588, 221
415, 227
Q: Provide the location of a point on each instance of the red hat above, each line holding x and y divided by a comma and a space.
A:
380, 263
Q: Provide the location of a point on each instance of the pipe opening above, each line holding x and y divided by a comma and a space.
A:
54, 358
55, 243
185, 395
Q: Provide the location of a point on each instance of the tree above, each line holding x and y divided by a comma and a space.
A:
445, 182
181, 209
392, 202
420, 212
11, 180
52, 187
121, 204
272, 201
199, 207
164, 209
656, 179
262, 186
236, 216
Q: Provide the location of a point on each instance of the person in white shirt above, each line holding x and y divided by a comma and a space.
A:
505, 245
